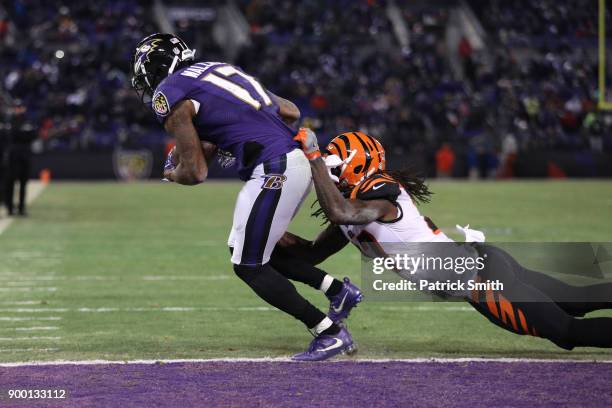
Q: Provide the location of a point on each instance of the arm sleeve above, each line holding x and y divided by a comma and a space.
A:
377, 187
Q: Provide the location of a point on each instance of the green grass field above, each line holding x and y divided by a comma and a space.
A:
141, 271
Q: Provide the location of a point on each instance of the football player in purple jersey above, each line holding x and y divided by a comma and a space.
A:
215, 107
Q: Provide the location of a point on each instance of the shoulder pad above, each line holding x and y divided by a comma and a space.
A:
377, 186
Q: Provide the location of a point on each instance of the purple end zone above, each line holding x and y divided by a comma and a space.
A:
338, 384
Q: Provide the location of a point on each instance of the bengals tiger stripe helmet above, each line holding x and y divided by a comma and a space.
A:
361, 156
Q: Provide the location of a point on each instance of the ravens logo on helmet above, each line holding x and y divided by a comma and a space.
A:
156, 57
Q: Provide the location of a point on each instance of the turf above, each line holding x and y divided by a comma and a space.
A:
141, 271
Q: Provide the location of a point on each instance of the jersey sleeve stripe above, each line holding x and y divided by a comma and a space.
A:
372, 185
366, 185
374, 181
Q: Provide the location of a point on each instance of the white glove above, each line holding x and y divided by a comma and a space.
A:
470, 234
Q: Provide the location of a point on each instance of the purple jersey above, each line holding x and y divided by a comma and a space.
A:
234, 112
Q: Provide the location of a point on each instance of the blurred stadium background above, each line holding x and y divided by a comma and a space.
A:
474, 88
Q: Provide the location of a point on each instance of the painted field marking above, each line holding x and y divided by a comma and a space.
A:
214, 309
23, 350
20, 283
140, 309
288, 360
14, 279
22, 302
32, 274
33, 310
426, 308
36, 328
172, 278
28, 338
20, 289
34, 190
25, 319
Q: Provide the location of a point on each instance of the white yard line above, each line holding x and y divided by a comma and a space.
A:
135, 309
36, 328
20, 289
22, 350
25, 319
288, 360
426, 308
418, 308
14, 284
28, 338
34, 190
212, 309
16, 280
172, 278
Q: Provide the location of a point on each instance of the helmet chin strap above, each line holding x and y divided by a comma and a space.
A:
175, 60
144, 72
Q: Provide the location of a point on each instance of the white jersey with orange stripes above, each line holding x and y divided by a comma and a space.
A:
386, 238
409, 226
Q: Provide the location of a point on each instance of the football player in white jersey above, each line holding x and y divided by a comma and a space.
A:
373, 207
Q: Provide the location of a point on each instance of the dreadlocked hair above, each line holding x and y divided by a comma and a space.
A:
319, 213
413, 184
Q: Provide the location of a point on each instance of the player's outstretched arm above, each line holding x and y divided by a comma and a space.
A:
287, 109
191, 165
339, 210
342, 211
327, 243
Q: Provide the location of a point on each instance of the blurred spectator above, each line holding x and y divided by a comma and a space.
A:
508, 155
445, 160
70, 68
340, 62
465, 53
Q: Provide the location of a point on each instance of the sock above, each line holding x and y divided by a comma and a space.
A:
327, 327
334, 288
326, 284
